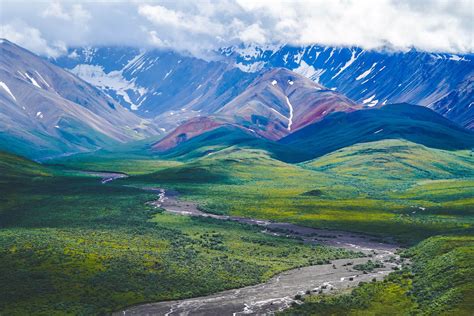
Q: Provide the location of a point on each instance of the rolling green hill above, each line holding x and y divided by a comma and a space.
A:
357, 190
396, 121
227, 136
395, 159
12, 166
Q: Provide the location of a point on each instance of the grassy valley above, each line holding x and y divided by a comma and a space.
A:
388, 188
80, 247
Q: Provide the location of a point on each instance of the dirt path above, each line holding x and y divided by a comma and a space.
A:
279, 292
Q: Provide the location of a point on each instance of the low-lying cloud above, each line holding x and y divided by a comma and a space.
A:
48, 28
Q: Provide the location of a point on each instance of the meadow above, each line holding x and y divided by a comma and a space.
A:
87, 248
70, 245
390, 188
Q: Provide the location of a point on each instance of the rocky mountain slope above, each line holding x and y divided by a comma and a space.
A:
46, 111
442, 82
174, 88
276, 103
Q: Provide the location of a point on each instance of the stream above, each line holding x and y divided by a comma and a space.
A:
279, 292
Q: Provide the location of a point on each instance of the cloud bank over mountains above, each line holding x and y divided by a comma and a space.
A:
48, 28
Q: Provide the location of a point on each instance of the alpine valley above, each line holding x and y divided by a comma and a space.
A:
260, 180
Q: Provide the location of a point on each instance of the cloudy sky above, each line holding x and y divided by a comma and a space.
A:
49, 27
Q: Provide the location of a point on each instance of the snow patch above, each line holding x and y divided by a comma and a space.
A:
113, 80
373, 103
298, 56
376, 132
330, 54
39, 114
42, 79
88, 53
291, 82
167, 74
367, 72
278, 112
290, 118
370, 101
32, 80
349, 62
457, 58
309, 71
253, 67
132, 62
249, 52
5, 87
274, 82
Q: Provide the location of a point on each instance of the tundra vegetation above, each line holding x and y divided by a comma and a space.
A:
83, 247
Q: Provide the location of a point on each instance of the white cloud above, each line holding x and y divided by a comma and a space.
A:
196, 27
253, 34
76, 14
178, 20
55, 10
431, 25
31, 39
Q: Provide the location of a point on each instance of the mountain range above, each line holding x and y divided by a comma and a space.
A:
308, 101
442, 82
160, 83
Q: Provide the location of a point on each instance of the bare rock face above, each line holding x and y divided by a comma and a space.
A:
47, 111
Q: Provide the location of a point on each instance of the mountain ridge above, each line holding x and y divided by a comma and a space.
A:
48, 111
436, 80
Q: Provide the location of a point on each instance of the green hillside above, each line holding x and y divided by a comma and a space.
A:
12, 166
396, 160
395, 121
228, 136
353, 193
438, 283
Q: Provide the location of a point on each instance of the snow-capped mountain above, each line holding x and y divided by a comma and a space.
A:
280, 101
174, 88
442, 82
157, 83
45, 110
276, 103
